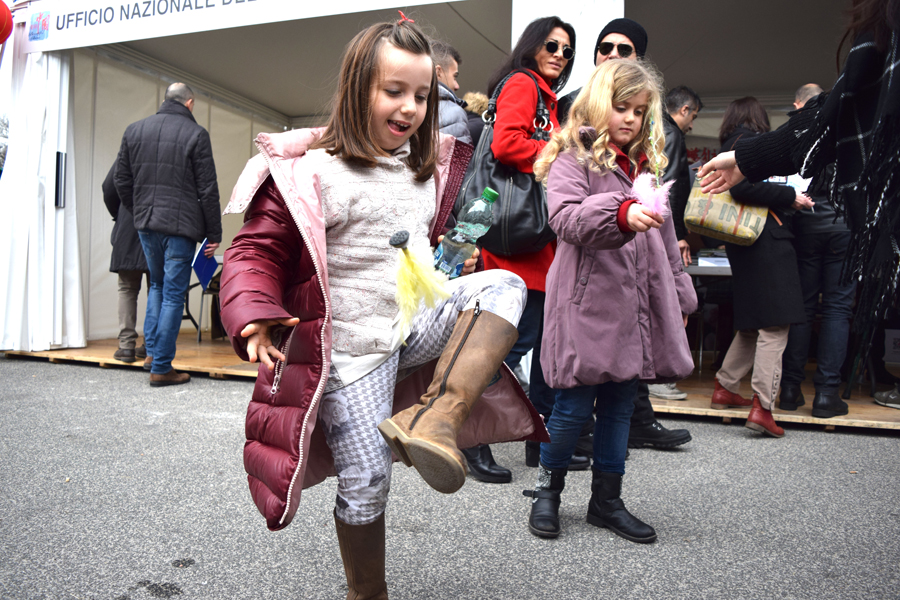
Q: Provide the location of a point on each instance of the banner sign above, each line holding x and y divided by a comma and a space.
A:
63, 24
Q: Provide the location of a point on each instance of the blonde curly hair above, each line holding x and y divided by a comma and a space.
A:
612, 82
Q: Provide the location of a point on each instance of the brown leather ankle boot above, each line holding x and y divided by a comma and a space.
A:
424, 435
761, 420
362, 551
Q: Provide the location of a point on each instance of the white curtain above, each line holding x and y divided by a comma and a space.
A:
41, 302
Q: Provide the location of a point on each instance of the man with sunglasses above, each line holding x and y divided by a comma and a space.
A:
621, 38
627, 39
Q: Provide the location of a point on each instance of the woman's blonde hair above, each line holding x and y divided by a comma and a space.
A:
613, 81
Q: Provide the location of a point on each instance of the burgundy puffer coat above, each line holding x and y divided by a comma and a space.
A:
276, 269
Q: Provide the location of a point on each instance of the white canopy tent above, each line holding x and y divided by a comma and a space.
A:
267, 65
40, 295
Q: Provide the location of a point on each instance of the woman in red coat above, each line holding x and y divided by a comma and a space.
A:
546, 49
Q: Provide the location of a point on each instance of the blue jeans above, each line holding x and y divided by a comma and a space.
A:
531, 330
615, 402
169, 259
819, 260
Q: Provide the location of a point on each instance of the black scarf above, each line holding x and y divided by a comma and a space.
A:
858, 128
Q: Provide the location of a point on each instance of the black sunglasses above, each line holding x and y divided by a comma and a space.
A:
606, 47
552, 46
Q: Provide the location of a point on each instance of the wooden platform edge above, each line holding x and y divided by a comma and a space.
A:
780, 416
59, 356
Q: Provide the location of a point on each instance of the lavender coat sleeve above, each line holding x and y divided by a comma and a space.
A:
583, 213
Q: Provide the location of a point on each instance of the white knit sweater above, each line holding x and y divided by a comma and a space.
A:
363, 208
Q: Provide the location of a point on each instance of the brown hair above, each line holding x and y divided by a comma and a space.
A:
349, 130
744, 112
877, 16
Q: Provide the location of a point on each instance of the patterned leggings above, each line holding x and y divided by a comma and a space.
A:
350, 414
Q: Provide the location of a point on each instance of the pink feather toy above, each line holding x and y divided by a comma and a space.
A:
654, 198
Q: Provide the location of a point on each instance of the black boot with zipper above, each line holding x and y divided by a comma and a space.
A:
544, 519
606, 509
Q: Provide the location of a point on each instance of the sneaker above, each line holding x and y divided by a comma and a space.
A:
890, 398
125, 355
666, 391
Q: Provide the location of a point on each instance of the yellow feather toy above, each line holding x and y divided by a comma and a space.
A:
417, 280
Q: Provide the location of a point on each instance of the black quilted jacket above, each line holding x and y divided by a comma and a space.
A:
166, 177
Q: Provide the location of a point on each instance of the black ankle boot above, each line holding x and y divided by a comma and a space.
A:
790, 397
482, 466
657, 436
606, 509
828, 404
544, 519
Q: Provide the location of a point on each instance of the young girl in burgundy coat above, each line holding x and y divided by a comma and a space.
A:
617, 295
309, 289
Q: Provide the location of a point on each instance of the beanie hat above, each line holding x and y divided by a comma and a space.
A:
630, 29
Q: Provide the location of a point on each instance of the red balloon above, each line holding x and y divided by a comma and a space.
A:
6, 22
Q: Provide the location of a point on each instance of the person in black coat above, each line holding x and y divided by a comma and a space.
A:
855, 126
128, 262
166, 177
767, 294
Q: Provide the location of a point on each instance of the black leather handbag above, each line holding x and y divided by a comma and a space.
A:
521, 223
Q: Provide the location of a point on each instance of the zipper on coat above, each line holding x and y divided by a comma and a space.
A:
279, 365
321, 386
443, 388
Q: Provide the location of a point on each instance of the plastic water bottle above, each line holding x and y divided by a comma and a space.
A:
458, 245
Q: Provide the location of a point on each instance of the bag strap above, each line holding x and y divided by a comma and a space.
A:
542, 125
769, 211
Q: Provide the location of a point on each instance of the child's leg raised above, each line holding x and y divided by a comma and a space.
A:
471, 332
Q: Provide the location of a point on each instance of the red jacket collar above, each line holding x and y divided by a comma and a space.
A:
624, 163
542, 83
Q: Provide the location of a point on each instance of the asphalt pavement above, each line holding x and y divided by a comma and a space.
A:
113, 490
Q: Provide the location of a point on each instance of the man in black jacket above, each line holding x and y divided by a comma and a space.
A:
621, 38
166, 177
682, 106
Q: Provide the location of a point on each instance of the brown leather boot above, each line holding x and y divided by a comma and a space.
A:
761, 420
362, 551
722, 398
148, 363
424, 435
173, 377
